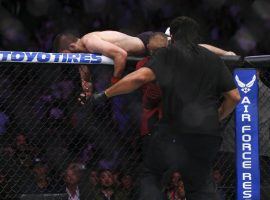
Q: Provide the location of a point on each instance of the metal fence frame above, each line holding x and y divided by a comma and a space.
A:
258, 62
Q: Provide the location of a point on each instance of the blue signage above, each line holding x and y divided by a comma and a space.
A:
41, 57
247, 130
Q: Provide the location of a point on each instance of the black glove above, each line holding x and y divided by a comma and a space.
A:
97, 98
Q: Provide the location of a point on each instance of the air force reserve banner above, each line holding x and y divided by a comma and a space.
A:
247, 149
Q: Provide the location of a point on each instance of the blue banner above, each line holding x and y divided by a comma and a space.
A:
247, 148
42, 57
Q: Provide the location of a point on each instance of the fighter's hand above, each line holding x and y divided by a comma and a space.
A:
87, 87
230, 53
114, 80
87, 92
83, 98
100, 97
95, 99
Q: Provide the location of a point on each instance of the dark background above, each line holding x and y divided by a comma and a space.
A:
238, 25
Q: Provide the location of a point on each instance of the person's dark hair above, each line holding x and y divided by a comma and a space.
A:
156, 41
62, 41
185, 29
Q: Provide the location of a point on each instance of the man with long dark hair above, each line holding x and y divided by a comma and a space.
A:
192, 80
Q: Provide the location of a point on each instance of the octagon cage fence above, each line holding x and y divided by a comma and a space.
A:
44, 130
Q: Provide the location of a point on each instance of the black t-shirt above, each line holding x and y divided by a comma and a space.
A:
192, 79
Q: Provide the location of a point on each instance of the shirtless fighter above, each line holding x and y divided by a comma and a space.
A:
113, 44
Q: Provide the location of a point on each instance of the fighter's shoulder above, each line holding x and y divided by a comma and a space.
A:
89, 37
95, 33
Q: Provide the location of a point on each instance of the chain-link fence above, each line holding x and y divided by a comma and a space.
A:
49, 141
264, 131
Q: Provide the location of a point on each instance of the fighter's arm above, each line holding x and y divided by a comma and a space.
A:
131, 82
97, 45
217, 50
86, 79
85, 73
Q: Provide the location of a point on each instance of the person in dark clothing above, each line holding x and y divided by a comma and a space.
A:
192, 79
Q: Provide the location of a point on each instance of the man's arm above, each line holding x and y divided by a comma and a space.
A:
86, 80
85, 73
218, 51
131, 82
231, 99
95, 44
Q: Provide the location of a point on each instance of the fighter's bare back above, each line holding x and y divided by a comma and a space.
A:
132, 45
